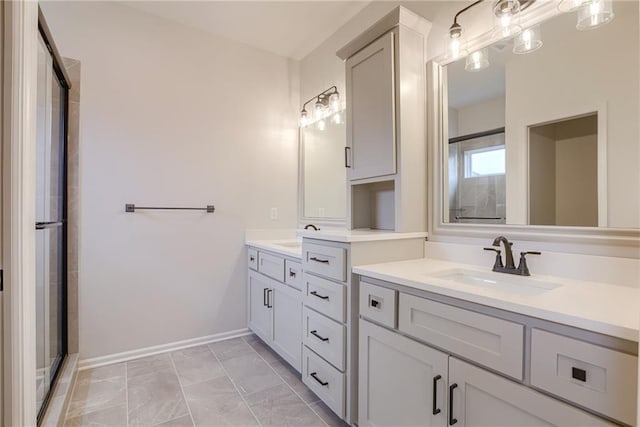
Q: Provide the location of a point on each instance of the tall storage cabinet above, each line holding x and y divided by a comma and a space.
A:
386, 124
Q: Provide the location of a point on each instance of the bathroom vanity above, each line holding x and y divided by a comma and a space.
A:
469, 347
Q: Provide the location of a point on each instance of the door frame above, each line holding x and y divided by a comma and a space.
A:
19, 63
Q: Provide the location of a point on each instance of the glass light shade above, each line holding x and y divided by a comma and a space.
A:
336, 118
571, 5
320, 110
334, 101
457, 47
528, 40
595, 14
322, 125
304, 118
478, 60
506, 21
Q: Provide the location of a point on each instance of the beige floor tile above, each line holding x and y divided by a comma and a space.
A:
230, 348
155, 398
196, 364
327, 415
147, 365
93, 395
294, 379
279, 406
217, 403
250, 373
184, 421
116, 417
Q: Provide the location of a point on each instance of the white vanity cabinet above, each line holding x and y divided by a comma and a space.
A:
275, 308
460, 365
385, 153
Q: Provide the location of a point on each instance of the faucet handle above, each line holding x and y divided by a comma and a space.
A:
523, 269
498, 263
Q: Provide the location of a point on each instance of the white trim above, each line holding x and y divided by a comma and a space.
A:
19, 123
110, 359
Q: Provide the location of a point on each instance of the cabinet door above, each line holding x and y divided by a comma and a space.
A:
260, 303
402, 382
287, 323
480, 398
371, 135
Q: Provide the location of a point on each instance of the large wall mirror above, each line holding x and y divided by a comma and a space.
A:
323, 179
549, 137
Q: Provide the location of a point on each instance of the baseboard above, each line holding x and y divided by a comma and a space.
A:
110, 359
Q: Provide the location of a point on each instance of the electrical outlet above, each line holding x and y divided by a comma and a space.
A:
274, 214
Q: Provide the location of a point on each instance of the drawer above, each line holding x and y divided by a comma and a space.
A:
252, 258
326, 261
293, 274
595, 377
271, 265
495, 343
324, 336
378, 304
325, 296
324, 380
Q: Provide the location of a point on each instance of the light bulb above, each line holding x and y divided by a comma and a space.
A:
334, 101
455, 48
477, 61
336, 118
322, 125
506, 18
456, 43
304, 118
595, 14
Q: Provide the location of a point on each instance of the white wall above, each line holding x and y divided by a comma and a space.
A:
480, 117
172, 116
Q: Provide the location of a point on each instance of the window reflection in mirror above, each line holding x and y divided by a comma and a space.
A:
570, 140
324, 179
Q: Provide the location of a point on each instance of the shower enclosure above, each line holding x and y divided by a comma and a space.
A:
51, 215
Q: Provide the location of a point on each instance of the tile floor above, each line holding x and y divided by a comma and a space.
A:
238, 382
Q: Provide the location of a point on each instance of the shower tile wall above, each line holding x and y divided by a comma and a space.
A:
73, 202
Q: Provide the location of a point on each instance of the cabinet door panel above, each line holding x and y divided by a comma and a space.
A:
396, 382
287, 323
481, 398
371, 110
260, 320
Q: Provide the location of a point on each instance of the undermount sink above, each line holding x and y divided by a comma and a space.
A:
292, 245
509, 283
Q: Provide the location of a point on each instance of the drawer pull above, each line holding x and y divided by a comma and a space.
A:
374, 303
292, 273
321, 338
323, 261
315, 294
436, 410
269, 299
579, 374
314, 375
264, 297
452, 420
252, 258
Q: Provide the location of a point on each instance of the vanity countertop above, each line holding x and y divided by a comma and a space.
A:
598, 307
289, 247
359, 235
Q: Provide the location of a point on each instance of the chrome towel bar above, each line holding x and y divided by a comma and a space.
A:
131, 208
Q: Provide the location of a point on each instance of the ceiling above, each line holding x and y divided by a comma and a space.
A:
288, 28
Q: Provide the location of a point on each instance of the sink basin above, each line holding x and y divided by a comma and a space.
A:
292, 245
507, 283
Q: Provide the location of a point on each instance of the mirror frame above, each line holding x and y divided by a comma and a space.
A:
302, 219
624, 242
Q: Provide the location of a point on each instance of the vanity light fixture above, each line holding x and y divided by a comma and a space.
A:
571, 5
326, 103
594, 14
478, 60
507, 18
528, 40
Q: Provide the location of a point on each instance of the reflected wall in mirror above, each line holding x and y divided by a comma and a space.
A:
323, 175
549, 137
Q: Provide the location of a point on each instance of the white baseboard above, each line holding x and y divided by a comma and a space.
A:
110, 359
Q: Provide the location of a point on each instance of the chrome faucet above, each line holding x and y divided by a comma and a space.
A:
510, 268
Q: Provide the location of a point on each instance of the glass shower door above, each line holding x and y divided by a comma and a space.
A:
50, 225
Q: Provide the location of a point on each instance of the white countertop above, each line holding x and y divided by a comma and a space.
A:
599, 307
360, 235
283, 247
